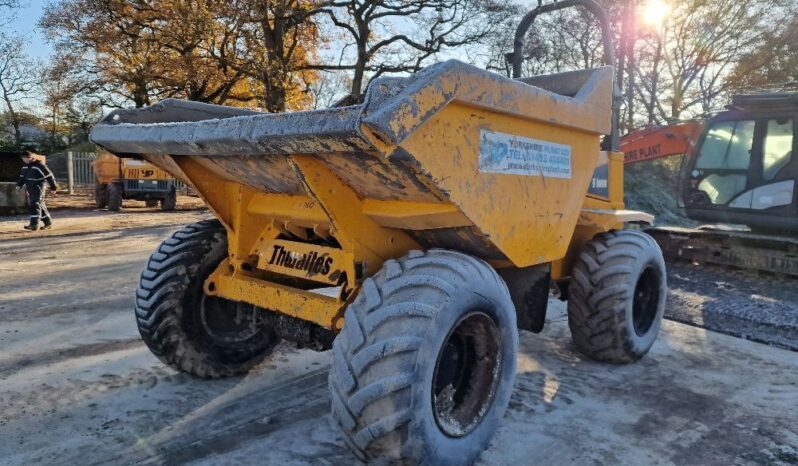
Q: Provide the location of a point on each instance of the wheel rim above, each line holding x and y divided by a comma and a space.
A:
228, 322
466, 374
646, 301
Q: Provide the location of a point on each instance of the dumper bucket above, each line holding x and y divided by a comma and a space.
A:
453, 156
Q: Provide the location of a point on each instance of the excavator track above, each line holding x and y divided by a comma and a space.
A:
730, 248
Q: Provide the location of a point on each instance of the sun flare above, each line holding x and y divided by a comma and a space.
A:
654, 12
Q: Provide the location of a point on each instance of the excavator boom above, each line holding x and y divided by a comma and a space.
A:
652, 142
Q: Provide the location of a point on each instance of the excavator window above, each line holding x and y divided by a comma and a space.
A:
727, 146
726, 152
778, 147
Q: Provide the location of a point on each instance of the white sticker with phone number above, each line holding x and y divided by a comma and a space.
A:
518, 155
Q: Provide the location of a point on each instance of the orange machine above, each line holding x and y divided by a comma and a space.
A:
653, 142
739, 169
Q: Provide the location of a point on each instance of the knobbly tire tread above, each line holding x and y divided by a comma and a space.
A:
597, 314
169, 202
405, 323
101, 195
171, 274
115, 196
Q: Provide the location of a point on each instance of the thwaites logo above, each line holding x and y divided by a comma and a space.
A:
147, 173
312, 262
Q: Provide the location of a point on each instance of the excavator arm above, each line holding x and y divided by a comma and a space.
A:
652, 142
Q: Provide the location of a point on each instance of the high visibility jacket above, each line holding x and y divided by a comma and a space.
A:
34, 176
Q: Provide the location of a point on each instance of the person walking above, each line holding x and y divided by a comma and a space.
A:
33, 177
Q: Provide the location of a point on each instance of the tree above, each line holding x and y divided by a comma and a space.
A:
773, 65
109, 42
25, 119
70, 110
145, 50
394, 36
648, 87
17, 79
565, 40
704, 41
9, 4
277, 38
8, 10
244, 52
192, 36
688, 68
685, 67
329, 89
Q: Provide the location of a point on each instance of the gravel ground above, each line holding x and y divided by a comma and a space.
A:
761, 308
77, 386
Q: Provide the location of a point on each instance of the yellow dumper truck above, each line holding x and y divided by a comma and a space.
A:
414, 234
119, 178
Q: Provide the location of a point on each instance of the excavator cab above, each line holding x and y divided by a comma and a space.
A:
743, 171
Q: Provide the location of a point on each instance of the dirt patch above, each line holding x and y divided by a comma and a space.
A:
78, 387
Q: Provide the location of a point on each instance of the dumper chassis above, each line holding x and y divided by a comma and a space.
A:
414, 234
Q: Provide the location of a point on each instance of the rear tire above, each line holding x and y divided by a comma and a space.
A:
101, 195
170, 201
424, 367
204, 336
617, 296
115, 196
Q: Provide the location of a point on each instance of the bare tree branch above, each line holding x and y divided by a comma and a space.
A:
401, 35
17, 79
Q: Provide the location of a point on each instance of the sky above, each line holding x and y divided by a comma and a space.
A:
25, 24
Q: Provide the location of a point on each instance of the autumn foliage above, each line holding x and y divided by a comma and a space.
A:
242, 52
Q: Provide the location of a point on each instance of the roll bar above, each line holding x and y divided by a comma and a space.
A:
517, 56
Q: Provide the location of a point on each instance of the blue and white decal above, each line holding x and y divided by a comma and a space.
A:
517, 155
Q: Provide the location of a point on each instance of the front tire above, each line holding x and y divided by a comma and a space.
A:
424, 367
115, 196
617, 296
202, 335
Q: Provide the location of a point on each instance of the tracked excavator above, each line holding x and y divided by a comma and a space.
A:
739, 174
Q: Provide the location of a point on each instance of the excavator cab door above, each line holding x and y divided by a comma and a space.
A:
743, 171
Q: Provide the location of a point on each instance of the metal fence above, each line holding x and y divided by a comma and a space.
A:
80, 169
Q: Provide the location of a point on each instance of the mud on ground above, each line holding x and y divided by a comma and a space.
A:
78, 387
